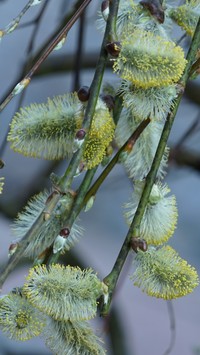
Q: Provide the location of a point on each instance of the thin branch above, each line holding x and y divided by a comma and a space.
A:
46, 53
172, 322
15, 22
79, 52
25, 68
112, 278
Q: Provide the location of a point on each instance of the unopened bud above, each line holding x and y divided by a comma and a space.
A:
79, 139
12, 248
21, 86
58, 244
11, 27
142, 245
138, 243
109, 101
155, 9
113, 48
80, 134
83, 93
89, 204
105, 9
60, 44
80, 169
46, 216
64, 232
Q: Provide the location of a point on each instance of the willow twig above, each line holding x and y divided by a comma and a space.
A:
15, 22
47, 51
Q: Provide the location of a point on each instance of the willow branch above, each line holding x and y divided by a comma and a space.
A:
26, 79
65, 182
112, 278
15, 22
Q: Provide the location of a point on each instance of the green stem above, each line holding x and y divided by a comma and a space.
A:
75, 209
67, 178
112, 278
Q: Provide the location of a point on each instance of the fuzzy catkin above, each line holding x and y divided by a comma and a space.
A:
163, 273
147, 60
50, 228
160, 215
64, 293
72, 338
47, 130
19, 319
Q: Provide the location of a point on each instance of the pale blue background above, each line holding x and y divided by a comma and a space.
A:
145, 319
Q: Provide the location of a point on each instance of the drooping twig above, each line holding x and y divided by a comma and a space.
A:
15, 22
172, 327
26, 79
26, 67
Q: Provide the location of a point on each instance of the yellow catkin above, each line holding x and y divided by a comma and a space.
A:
148, 60
164, 274
99, 137
186, 16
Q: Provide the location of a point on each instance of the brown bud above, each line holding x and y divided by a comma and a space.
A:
142, 244
138, 243
12, 248
109, 101
80, 134
113, 48
155, 9
64, 232
84, 93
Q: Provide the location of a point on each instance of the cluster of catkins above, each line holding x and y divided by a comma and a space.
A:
56, 301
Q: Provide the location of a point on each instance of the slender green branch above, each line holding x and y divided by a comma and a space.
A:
112, 278
75, 209
25, 81
67, 178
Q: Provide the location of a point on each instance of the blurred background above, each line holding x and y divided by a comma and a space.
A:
138, 325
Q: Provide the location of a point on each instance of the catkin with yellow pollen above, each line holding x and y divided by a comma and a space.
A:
64, 293
47, 130
147, 60
187, 15
163, 273
19, 319
99, 137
